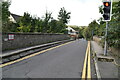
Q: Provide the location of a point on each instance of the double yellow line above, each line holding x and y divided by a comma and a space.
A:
86, 73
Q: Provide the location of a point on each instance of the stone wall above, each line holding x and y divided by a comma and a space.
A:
22, 40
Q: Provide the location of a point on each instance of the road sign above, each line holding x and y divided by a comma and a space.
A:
11, 36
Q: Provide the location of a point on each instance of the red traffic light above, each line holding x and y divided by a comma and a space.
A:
107, 10
106, 4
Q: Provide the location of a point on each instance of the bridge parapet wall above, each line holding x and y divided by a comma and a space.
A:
22, 40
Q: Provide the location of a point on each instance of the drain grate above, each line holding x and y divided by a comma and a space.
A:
105, 59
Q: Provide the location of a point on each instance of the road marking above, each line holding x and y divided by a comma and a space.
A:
29, 56
84, 66
86, 73
89, 66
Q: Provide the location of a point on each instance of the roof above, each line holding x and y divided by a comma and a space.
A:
69, 28
16, 17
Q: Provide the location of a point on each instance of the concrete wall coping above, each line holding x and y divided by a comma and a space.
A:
20, 33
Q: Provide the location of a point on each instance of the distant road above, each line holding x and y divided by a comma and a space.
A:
63, 62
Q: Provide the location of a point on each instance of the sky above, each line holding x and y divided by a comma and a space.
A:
82, 11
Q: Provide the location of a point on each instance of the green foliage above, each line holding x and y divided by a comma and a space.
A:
87, 33
0, 16
91, 30
5, 11
53, 25
64, 16
27, 23
5, 15
113, 37
12, 27
23, 28
46, 26
81, 29
7, 26
116, 11
94, 26
38, 26
57, 26
60, 27
101, 9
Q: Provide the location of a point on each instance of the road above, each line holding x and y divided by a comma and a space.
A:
62, 62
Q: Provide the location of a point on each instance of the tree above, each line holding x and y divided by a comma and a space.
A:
60, 28
53, 26
116, 11
113, 37
45, 24
25, 23
34, 25
5, 11
87, 33
5, 15
38, 25
64, 16
0, 16
81, 30
94, 27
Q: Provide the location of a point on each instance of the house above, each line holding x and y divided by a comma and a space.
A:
14, 18
73, 34
71, 31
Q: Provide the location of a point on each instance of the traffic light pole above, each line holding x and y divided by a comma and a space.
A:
105, 46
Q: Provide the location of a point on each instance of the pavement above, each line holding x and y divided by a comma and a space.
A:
104, 67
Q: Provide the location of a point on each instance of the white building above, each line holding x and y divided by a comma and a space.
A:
71, 31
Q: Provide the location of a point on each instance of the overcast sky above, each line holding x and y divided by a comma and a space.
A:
82, 11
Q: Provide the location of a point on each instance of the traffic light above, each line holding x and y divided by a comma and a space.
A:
107, 10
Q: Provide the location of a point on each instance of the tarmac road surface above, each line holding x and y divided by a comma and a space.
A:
62, 62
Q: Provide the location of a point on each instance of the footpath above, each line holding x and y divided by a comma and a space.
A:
105, 67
